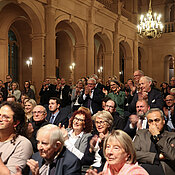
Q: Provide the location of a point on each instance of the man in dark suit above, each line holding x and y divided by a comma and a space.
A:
63, 92
148, 93
155, 147
138, 120
92, 97
53, 158
57, 115
119, 121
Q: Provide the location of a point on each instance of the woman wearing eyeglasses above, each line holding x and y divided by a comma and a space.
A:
76, 136
15, 148
94, 153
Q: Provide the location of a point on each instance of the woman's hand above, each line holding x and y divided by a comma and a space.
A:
93, 142
34, 166
105, 91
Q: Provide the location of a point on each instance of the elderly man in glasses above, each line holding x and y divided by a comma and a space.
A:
39, 120
155, 147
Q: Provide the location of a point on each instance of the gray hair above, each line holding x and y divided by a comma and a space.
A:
92, 79
94, 76
155, 110
140, 72
106, 116
148, 79
55, 133
44, 109
126, 143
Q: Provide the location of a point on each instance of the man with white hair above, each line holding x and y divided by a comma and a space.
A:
148, 93
92, 97
53, 158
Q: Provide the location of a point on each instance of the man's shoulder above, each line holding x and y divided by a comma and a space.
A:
142, 131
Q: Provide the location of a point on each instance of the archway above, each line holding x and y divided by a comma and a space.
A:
168, 67
126, 63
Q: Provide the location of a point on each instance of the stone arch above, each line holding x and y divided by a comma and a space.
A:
126, 63
168, 69
26, 20
74, 39
103, 56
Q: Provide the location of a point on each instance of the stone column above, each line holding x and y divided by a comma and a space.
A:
108, 65
116, 58
90, 49
50, 60
135, 50
128, 68
150, 63
80, 61
38, 61
135, 6
4, 58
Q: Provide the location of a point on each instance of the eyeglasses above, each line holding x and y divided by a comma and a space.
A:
79, 119
5, 118
91, 83
39, 112
169, 100
112, 84
112, 107
100, 122
157, 120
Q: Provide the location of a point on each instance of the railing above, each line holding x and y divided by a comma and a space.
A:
169, 27
107, 4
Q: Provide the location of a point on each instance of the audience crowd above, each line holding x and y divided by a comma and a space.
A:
89, 128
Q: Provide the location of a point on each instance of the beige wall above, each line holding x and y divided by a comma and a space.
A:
38, 22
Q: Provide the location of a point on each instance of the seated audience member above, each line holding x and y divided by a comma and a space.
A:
28, 108
148, 93
91, 97
154, 146
63, 93
15, 148
15, 91
3, 90
56, 115
169, 112
76, 93
138, 120
119, 121
165, 89
172, 83
11, 98
53, 158
172, 92
1, 97
104, 100
120, 156
39, 119
23, 99
28, 91
117, 95
94, 151
76, 136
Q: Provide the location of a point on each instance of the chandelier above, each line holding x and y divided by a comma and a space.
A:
150, 27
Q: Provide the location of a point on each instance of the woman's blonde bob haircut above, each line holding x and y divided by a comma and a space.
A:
106, 116
126, 142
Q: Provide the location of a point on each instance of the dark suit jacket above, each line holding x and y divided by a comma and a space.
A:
66, 163
96, 101
155, 100
62, 118
142, 144
119, 121
66, 99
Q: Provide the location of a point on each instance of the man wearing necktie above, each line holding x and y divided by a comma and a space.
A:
57, 115
53, 158
92, 97
138, 120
